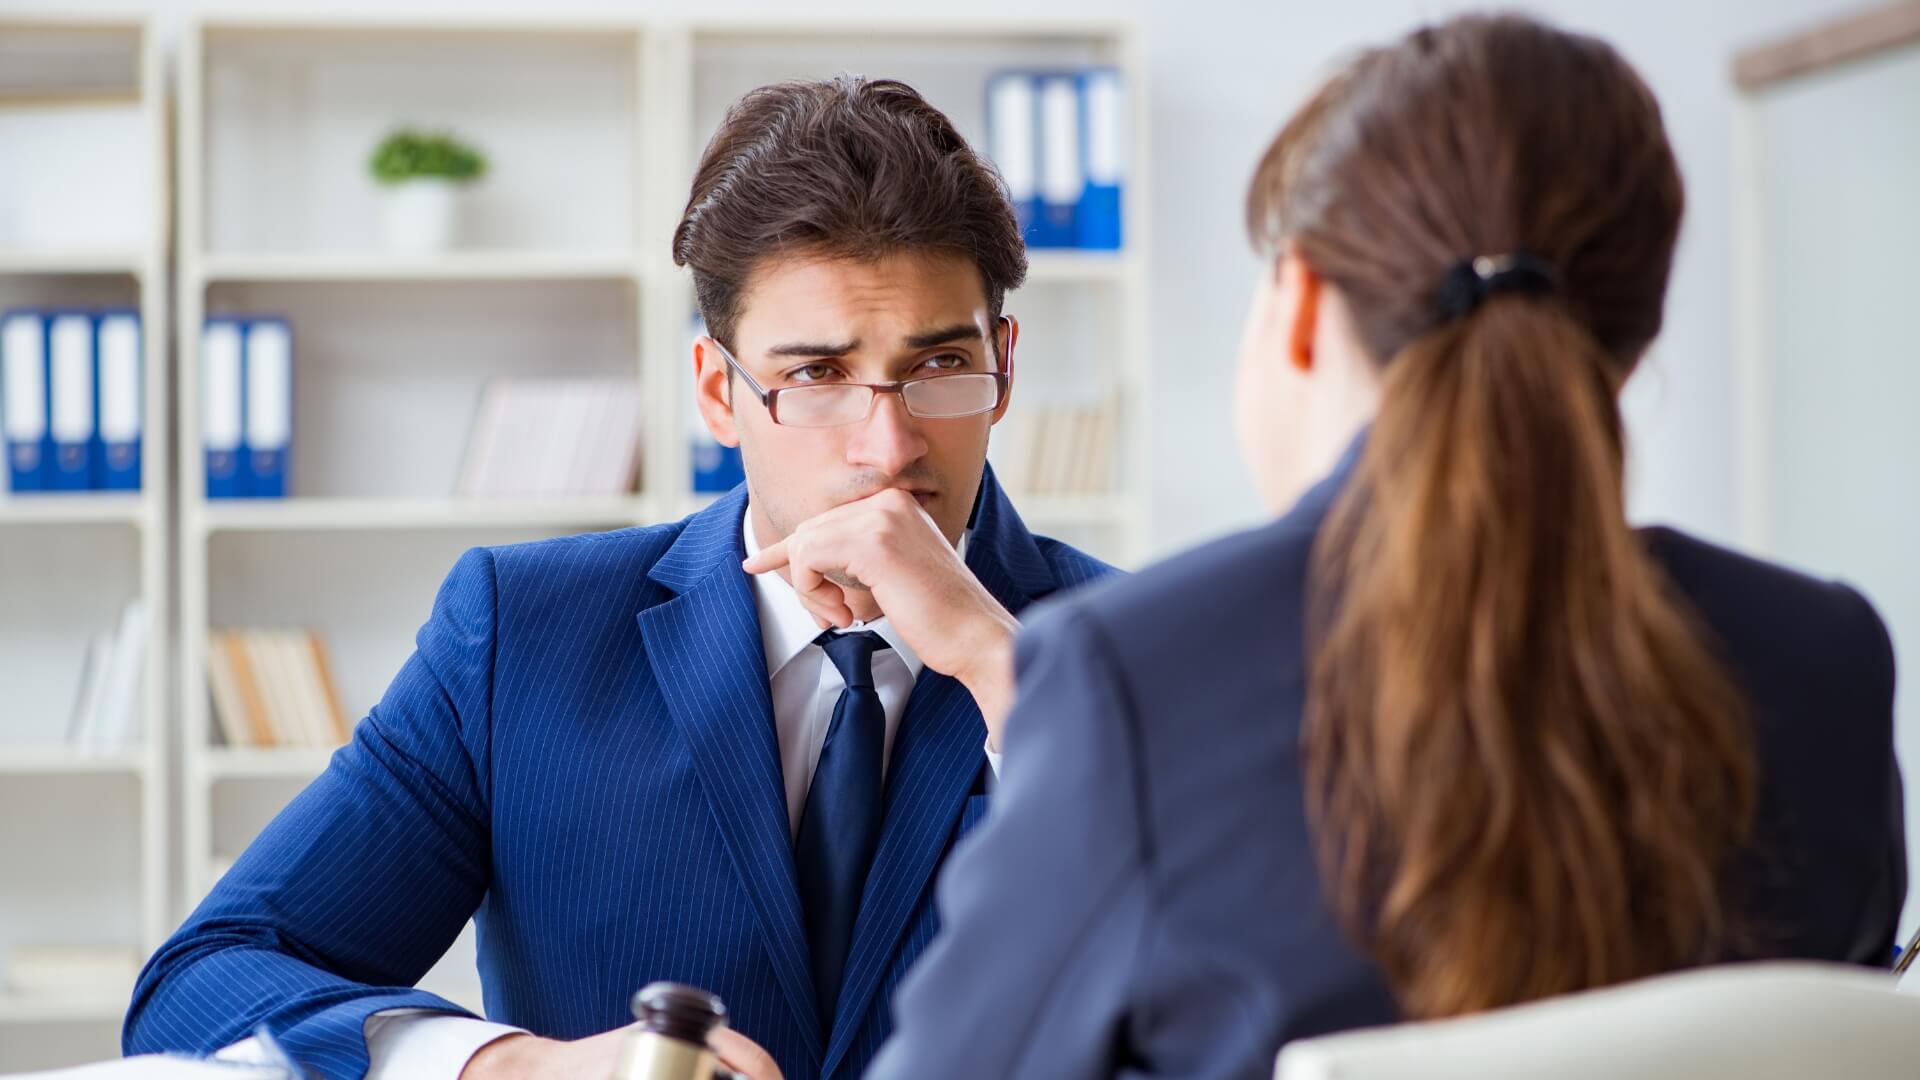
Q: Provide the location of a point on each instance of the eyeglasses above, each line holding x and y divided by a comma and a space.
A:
934, 397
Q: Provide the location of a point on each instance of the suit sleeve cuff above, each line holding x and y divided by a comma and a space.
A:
419, 1044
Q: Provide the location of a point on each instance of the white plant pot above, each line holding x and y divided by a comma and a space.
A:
420, 214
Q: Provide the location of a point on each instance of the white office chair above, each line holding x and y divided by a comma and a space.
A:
1774, 1021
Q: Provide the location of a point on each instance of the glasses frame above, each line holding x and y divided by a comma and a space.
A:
771, 398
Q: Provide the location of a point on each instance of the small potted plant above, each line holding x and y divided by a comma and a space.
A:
422, 173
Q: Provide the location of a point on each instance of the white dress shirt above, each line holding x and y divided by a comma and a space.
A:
419, 1044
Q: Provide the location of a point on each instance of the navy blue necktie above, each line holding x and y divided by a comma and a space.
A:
840, 827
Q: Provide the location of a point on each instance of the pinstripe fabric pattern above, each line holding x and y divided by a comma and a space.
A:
581, 756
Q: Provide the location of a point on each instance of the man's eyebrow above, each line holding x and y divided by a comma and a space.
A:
926, 339
804, 348
944, 336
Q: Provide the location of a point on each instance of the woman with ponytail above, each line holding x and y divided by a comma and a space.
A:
1448, 734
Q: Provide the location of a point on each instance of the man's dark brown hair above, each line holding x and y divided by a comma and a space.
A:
841, 168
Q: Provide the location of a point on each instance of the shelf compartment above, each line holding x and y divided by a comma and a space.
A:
389, 377
291, 113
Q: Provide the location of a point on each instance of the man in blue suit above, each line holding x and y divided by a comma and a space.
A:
731, 751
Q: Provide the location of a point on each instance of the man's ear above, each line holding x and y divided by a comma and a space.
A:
1300, 295
713, 392
1007, 338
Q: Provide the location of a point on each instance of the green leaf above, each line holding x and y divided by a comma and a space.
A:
407, 154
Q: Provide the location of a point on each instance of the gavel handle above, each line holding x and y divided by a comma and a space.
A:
1906, 954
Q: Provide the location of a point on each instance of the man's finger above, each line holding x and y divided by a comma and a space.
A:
768, 558
743, 1055
825, 600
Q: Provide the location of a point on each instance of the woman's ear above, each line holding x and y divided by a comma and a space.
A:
1300, 295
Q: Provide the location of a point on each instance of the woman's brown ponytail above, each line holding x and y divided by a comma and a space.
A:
1524, 765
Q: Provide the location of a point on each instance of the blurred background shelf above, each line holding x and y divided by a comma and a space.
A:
351, 514
76, 263
395, 353
450, 266
67, 761
85, 198
81, 509
1089, 267
303, 763
101, 1009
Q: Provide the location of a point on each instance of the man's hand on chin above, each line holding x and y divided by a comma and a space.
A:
529, 1057
888, 544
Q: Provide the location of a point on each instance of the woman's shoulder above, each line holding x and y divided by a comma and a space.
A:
1256, 572
1739, 592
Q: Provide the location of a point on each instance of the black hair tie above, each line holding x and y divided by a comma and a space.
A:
1473, 280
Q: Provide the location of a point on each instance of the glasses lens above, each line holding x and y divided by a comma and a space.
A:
824, 406
945, 397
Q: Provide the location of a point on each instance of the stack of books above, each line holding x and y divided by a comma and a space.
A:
274, 688
107, 705
554, 438
1061, 451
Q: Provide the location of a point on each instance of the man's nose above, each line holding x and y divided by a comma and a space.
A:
889, 439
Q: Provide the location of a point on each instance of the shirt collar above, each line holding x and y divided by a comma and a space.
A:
786, 627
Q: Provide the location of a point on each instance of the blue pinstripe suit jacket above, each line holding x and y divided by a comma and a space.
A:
581, 756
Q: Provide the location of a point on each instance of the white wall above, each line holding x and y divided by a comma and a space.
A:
1836, 454
1224, 75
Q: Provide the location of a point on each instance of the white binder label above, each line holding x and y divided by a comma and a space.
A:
71, 340
1106, 153
269, 385
220, 386
1010, 127
119, 378
1061, 177
23, 354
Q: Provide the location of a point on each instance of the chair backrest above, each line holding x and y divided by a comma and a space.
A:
1773, 1021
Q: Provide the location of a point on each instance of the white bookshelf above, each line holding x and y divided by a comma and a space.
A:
566, 270
392, 351
83, 223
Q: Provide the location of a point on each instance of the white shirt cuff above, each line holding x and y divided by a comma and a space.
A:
420, 1044
993, 760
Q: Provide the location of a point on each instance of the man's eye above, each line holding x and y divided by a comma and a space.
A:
812, 373
949, 362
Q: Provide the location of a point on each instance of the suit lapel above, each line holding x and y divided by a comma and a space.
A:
706, 652
937, 757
